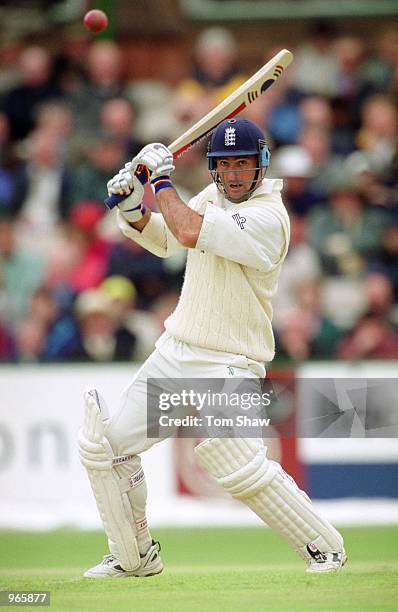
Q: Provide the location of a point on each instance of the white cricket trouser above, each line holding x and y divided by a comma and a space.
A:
127, 428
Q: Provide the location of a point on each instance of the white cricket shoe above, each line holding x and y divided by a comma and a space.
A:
325, 562
110, 567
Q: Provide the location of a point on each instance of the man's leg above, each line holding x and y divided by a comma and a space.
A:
109, 450
240, 465
109, 490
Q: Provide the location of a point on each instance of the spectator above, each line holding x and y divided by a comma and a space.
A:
188, 105
294, 164
138, 323
374, 190
346, 234
380, 67
103, 155
378, 136
80, 260
215, 61
387, 261
306, 332
117, 121
378, 295
55, 119
39, 335
30, 340
35, 87
105, 81
350, 54
54, 322
13, 180
316, 112
372, 338
152, 276
301, 266
48, 183
328, 168
101, 337
7, 344
344, 126
21, 271
215, 68
315, 66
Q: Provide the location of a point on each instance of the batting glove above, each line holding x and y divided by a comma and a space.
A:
157, 158
127, 183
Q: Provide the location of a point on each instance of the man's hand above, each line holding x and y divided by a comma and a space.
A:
157, 158
125, 182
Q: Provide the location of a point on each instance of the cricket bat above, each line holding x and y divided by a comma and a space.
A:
234, 104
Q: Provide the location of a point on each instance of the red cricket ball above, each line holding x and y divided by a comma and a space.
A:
95, 21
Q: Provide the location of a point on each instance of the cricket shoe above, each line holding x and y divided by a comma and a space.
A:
110, 567
325, 562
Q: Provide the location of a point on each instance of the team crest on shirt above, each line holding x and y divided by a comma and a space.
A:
230, 136
239, 220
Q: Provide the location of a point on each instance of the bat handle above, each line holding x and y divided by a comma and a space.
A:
113, 200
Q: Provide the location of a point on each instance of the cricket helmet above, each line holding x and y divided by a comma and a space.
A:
238, 138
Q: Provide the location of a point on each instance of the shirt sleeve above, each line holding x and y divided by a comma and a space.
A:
155, 237
253, 237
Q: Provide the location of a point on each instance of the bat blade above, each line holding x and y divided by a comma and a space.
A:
234, 104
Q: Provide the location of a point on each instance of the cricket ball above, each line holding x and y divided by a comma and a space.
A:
95, 21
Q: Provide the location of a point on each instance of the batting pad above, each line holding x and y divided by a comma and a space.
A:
240, 465
109, 490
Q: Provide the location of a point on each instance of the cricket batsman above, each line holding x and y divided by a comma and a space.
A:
237, 234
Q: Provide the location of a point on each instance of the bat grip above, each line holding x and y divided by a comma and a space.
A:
113, 200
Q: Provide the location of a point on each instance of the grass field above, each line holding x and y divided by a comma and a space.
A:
207, 570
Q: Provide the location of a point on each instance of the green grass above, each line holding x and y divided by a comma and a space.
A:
206, 569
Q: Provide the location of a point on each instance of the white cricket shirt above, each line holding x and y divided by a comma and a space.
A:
232, 273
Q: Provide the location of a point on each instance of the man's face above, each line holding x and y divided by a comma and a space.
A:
237, 175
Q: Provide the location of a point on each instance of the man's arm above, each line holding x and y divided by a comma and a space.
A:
139, 225
184, 223
181, 220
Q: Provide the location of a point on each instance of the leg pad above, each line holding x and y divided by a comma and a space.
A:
109, 490
242, 468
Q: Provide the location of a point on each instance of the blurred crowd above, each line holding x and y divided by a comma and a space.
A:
73, 288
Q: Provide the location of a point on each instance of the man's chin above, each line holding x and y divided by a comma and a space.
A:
236, 196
